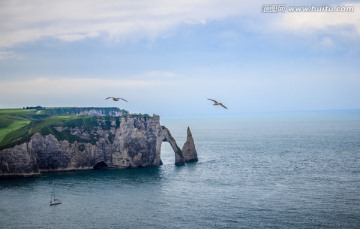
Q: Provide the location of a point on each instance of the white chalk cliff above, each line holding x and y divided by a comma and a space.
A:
136, 142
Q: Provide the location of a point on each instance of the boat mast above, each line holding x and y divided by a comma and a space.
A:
52, 193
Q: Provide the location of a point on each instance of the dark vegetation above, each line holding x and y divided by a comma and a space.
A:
36, 108
18, 125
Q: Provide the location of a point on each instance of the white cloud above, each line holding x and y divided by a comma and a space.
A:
342, 23
68, 20
75, 20
328, 42
6, 54
160, 75
47, 86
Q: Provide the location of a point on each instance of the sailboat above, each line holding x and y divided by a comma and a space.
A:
53, 200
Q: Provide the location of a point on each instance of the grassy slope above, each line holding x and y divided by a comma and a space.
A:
18, 125
13, 119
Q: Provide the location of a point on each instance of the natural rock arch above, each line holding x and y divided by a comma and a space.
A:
166, 137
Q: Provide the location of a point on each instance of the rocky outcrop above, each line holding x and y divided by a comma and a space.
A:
135, 142
188, 150
100, 112
179, 157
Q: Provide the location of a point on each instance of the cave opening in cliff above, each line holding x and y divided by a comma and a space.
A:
100, 165
167, 154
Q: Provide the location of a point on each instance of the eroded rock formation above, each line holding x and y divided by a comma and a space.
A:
189, 150
179, 157
136, 142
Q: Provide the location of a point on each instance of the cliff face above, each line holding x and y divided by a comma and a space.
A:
18, 161
134, 142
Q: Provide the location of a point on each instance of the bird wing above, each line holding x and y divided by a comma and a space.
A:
213, 100
223, 105
109, 98
124, 99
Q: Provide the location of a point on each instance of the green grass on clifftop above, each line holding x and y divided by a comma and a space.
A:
13, 119
18, 125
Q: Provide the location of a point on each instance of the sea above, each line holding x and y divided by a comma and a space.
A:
260, 170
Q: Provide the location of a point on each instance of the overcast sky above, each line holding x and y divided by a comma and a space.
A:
168, 57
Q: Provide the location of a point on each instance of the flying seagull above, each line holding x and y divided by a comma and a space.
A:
116, 99
217, 103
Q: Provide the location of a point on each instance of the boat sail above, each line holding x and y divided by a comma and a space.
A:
54, 200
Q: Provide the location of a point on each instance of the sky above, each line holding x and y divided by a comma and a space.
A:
167, 57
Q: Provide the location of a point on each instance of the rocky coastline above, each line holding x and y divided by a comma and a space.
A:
134, 142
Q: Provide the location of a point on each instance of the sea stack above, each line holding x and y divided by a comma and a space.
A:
188, 150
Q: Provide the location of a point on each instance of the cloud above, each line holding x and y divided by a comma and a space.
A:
149, 92
345, 24
51, 87
157, 75
327, 42
6, 54
116, 20
46, 86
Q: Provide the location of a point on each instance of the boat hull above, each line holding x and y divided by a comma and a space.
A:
55, 203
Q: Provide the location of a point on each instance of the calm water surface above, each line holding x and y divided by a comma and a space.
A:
290, 170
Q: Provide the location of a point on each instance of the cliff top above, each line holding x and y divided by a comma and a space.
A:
18, 125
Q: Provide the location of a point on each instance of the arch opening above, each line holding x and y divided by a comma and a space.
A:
167, 155
179, 157
100, 165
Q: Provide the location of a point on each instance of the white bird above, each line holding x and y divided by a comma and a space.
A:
116, 99
217, 103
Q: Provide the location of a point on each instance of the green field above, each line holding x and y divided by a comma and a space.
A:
13, 119
18, 125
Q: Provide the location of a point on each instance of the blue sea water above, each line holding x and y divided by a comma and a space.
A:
273, 170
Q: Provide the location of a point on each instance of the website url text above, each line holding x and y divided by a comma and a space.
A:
282, 8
